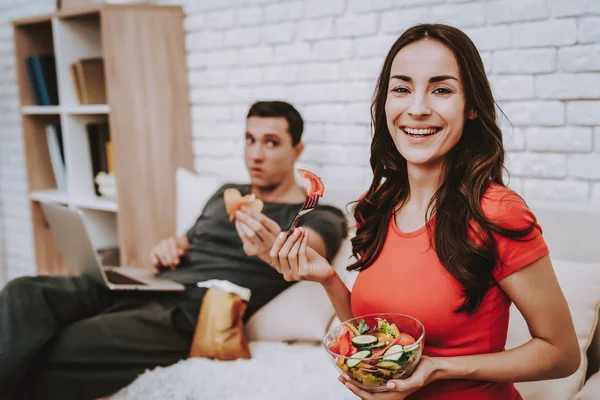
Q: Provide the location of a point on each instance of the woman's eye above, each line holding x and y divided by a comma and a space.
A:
400, 89
442, 91
249, 140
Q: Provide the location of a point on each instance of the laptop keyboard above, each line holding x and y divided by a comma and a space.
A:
118, 279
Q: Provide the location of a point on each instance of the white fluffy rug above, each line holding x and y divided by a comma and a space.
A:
276, 371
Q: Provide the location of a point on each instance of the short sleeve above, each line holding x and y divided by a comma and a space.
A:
330, 223
215, 197
508, 210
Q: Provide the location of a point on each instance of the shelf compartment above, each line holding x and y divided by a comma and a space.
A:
79, 159
33, 38
77, 37
41, 175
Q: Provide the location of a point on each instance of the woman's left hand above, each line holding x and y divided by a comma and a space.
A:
399, 389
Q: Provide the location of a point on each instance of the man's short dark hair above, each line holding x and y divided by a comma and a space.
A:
280, 109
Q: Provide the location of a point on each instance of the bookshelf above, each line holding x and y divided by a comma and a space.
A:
147, 112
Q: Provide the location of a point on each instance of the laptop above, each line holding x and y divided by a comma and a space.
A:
81, 258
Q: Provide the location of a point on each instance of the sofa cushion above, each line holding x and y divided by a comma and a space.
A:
570, 229
591, 389
300, 313
580, 283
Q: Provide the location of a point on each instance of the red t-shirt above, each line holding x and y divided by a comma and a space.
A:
408, 278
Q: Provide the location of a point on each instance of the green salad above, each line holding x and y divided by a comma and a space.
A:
372, 355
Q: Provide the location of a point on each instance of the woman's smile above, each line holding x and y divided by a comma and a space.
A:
420, 133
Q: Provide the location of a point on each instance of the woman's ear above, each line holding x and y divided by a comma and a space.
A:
472, 114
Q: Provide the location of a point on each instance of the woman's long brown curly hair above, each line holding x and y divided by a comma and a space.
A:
474, 163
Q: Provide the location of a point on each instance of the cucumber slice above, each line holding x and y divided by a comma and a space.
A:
378, 345
393, 353
356, 358
364, 340
388, 365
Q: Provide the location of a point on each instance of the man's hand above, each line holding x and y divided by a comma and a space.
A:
168, 252
257, 231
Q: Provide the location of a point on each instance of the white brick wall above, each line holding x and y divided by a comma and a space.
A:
543, 58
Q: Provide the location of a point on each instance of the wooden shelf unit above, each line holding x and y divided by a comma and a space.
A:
147, 111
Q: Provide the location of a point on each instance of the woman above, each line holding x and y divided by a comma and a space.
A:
439, 236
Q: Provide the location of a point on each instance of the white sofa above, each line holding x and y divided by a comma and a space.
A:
289, 361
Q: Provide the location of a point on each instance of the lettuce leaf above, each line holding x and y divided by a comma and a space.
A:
362, 327
385, 327
369, 379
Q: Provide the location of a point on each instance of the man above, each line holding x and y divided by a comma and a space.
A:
69, 338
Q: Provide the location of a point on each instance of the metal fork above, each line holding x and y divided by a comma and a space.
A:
309, 204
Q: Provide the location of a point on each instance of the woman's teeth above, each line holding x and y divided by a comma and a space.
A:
421, 132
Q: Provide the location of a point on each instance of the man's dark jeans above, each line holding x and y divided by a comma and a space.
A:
69, 338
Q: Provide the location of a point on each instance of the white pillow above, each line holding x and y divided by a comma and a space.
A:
299, 313
591, 389
193, 192
580, 283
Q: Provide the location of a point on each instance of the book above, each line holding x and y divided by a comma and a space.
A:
57, 158
47, 67
109, 157
35, 90
88, 75
41, 71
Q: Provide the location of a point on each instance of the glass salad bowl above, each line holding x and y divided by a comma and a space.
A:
372, 349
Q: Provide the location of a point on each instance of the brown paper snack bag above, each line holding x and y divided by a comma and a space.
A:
220, 330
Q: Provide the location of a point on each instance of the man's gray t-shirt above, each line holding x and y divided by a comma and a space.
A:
216, 250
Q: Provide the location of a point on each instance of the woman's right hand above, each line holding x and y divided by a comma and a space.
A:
296, 261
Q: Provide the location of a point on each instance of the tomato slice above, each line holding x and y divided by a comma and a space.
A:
312, 183
346, 345
379, 352
405, 339
344, 348
334, 347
